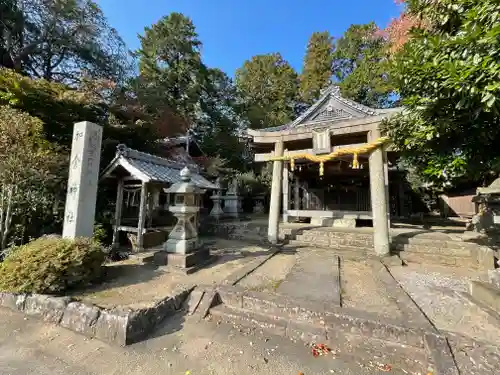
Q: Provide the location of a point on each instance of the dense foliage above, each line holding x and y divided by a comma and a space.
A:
448, 73
361, 65
51, 265
29, 176
269, 86
60, 40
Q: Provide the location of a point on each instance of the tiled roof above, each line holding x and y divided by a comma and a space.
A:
147, 167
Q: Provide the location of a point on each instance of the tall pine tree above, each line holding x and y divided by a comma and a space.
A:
317, 69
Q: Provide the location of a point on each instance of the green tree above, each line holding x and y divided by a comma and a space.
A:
172, 75
60, 40
448, 74
269, 88
361, 65
27, 172
317, 69
219, 125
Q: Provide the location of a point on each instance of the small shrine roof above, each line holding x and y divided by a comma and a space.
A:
150, 168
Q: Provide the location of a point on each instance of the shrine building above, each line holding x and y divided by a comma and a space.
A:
332, 166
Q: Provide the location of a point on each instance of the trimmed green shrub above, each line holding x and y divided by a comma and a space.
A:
51, 265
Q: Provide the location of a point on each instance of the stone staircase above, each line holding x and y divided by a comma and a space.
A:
412, 247
352, 332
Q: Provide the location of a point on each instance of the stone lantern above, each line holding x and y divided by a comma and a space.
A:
217, 211
183, 248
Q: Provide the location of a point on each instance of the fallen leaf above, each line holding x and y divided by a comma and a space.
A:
385, 368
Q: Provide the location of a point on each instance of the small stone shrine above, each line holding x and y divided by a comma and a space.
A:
487, 200
232, 201
183, 249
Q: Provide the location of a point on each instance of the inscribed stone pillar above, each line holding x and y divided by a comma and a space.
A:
274, 205
379, 197
83, 177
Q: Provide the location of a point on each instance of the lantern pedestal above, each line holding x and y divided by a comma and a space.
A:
232, 205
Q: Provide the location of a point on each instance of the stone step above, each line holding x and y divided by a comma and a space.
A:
335, 234
352, 348
334, 241
436, 249
445, 260
414, 245
346, 252
281, 315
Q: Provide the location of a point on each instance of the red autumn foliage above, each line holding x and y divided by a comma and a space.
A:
398, 31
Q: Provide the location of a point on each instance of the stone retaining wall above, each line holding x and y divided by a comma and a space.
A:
248, 231
119, 326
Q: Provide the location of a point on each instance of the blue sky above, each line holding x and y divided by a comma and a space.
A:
233, 31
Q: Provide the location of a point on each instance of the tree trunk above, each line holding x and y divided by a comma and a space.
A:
8, 217
2, 211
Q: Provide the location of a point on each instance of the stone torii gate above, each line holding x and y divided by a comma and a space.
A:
335, 127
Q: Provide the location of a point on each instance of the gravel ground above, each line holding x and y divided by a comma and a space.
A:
474, 357
434, 290
137, 285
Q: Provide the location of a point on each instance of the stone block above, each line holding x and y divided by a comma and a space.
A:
438, 349
112, 326
50, 309
344, 223
273, 325
194, 300
322, 221
183, 261
164, 308
210, 299
80, 318
484, 258
13, 301
494, 278
307, 333
486, 294
265, 304
140, 324
231, 295
375, 329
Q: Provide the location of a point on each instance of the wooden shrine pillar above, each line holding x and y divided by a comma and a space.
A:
274, 204
142, 216
378, 193
118, 214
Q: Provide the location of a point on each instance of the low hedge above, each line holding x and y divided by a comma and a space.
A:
51, 265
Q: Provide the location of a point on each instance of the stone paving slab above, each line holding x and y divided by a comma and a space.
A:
314, 277
361, 290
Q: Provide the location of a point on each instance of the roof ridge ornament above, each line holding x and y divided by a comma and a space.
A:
185, 174
122, 149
